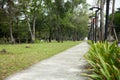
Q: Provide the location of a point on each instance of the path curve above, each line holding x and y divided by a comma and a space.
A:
65, 66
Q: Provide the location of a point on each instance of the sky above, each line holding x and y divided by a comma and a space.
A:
117, 3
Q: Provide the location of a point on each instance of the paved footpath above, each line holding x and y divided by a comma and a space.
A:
67, 65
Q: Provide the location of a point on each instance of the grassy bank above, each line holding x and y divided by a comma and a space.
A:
18, 57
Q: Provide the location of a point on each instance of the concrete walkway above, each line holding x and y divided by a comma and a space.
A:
67, 65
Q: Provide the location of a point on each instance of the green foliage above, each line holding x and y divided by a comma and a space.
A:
105, 61
116, 22
47, 19
18, 57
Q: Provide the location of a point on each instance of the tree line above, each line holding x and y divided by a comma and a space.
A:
34, 20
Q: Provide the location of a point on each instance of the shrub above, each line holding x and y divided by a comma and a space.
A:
105, 61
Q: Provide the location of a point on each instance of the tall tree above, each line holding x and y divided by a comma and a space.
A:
31, 9
11, 13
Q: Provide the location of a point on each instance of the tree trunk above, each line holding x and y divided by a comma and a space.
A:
111, 22
102, 20
31, 30
107, 17
50, 34
113, 10
29, 27
10, 13
11, 33
33, 35
33, 38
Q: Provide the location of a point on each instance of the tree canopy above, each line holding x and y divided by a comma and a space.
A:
32, 20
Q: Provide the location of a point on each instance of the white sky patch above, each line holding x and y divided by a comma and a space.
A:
92, 3
117, 4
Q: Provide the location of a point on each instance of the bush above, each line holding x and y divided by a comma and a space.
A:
105, 61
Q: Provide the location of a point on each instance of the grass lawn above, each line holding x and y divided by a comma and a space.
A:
18, 57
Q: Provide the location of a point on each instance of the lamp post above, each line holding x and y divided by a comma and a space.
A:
93, 27
96, 21
89, 33
90, 36
92, 30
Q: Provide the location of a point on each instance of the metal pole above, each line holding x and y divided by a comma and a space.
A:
96, 24
90, 30
93, 29
106, 21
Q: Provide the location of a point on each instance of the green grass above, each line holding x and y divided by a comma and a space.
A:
18, 57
